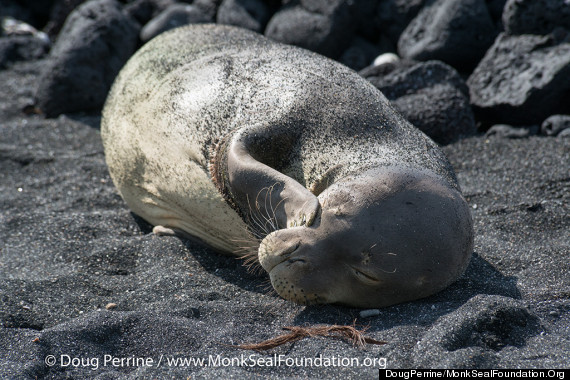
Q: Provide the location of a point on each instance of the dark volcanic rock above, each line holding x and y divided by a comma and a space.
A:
322, 26
33, 12
144, 10
522, 79
361, 53
457, 32
393, 16
555, 125
536, 16
208, 7
95, 42
365, 20
431, 95
10, 26
21, 48
172, 17
405, 77
495, 8
59, 13
510, 132
248, 14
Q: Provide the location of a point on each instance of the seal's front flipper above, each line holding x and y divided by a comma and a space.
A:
242, 169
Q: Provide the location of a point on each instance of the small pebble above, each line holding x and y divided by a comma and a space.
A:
369, 313
110, 306
385, 58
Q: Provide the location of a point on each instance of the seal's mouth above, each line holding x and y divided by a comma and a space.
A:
271, 259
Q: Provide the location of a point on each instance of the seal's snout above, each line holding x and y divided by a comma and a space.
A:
286, 256
277, 248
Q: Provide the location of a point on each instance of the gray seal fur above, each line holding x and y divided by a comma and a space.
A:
218, 133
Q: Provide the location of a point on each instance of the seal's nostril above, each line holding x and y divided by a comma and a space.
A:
289, 250
296, 260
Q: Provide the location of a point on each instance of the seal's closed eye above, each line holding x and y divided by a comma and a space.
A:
365, 277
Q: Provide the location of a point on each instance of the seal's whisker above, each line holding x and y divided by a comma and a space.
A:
253, 242
266, 220
254, 267
250, 260
276, 226
246, 247
279, 203
275, 216
249, 231
276, 303
267, 217
257, 269
259, 229
268, 288
255, 222
257, 199
248, 253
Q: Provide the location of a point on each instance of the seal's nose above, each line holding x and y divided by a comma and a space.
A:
275, 249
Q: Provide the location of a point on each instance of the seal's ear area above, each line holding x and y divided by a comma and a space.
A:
258, 191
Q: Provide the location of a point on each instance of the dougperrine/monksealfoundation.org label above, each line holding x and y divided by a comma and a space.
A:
406, 374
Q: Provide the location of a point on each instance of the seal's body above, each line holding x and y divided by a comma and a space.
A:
217, 132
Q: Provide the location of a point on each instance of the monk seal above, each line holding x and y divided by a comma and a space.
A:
220, 134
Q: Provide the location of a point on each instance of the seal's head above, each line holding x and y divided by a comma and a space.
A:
386, 236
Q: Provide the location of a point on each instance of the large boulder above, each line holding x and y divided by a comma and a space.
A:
555, 125
58, 14
361, 53
172, 17
21, 48
322, 26
431, 95
96, 40
248, 14
20, 41
457, 32
145, 10
495, 8
536, 16
393, 16
522, 79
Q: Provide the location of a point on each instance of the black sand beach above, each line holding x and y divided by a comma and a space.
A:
85, 282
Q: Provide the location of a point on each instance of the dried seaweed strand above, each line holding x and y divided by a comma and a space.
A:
349, 333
